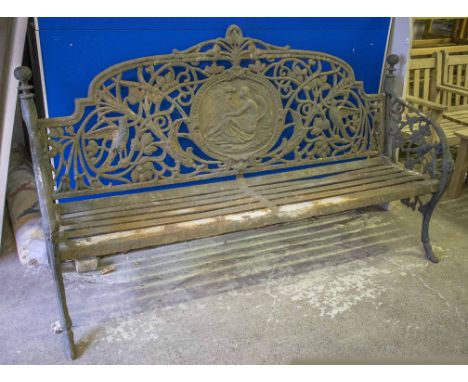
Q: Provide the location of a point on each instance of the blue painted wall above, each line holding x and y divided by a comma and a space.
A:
74, 50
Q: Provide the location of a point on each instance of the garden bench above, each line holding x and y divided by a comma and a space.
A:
231, 134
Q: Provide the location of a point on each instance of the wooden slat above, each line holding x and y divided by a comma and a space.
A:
342, 192
460, 113
450, 80
458, 82
132, 239
156, 213
213, 211
426, 84
429, 51
465, 84
116, 224
146, 214
460, 59
422, 63
342, 177
159, 205
141, 198
417, 80
331, 184
316, 171
119, 217
436, 93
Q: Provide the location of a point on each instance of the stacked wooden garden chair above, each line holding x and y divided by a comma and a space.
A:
438, 84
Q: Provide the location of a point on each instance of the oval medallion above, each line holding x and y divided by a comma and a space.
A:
236, 115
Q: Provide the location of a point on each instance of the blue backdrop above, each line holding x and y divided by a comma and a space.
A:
74, 50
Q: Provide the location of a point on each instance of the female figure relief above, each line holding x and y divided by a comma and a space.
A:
240, 125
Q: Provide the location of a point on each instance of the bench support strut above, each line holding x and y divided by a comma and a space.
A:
46, 204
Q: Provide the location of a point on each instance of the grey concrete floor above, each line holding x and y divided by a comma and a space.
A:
352, 287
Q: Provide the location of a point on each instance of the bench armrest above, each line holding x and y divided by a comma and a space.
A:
429, 104
417, 140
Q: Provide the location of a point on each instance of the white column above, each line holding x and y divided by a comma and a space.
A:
12, 39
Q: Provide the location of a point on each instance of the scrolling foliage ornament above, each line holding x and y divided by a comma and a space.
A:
421, 145
225, 106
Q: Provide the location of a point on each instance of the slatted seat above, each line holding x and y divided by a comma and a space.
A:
228, 135
162, 217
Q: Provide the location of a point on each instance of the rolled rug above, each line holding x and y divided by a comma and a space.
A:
23, 206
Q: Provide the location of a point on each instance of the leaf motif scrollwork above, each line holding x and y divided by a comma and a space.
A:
139, 126
420, 142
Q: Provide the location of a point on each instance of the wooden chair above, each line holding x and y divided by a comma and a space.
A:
461, 165
432, 38
437, 84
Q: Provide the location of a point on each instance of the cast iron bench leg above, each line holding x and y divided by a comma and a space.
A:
427, 211
65, 329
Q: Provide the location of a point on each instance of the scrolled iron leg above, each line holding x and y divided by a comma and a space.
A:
427, 211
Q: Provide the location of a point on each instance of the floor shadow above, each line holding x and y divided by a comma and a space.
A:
174, 274
455, 210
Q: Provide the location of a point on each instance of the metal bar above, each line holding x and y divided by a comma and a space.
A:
49, 221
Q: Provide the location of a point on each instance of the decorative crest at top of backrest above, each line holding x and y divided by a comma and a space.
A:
234, 46
223, 107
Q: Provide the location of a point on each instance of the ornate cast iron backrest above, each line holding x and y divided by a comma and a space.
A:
223, 107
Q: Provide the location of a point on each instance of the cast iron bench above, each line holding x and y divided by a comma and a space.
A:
228, 135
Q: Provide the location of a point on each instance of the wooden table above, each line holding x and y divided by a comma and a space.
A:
461, 165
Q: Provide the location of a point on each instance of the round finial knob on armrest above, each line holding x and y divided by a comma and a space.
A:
23, 73
392, 59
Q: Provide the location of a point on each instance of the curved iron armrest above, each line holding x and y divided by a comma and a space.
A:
420, 140
424, 144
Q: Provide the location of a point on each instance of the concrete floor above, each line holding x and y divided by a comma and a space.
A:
352, 287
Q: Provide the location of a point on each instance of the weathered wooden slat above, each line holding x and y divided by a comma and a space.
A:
132, 200
159, 212
159, 205
170, 233
120, 220
203, 212
192, 193
180, 207
180, 204
215, 187
113, 223
341, 192
87, 230
316, 171
331, 185
342, 177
